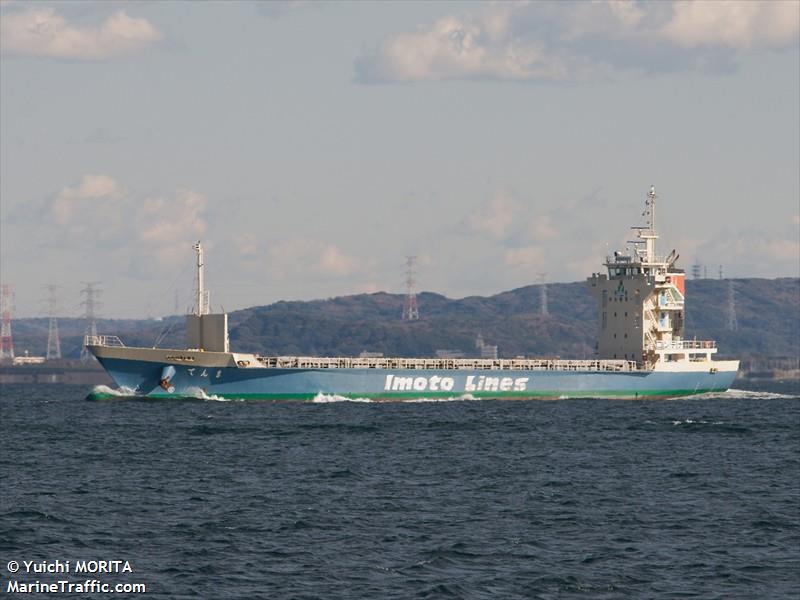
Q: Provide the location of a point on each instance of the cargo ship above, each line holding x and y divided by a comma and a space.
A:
641, 352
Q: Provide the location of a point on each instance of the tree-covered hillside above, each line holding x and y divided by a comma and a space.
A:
767, 316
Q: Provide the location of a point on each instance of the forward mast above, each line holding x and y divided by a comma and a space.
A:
202, 294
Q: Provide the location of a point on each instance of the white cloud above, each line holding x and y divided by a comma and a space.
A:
547, 41
94, 193
747, 251
332, 260
628, 13
510, 221
166, 219
315, 258
538, 234
514, 232
92, 186
44, 32
169, 224
734, 23
458, 48
498, 217
98, 211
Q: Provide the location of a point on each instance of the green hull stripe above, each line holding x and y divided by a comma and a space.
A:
529, 395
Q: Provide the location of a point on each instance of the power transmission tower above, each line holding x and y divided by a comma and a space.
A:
6, 307
696, 269
543, 295
720, 271
53, 340
732, 324
410, 308
91, 305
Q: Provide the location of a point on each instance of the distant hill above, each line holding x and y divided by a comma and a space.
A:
767, 314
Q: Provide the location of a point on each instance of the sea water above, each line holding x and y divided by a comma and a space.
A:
696, 497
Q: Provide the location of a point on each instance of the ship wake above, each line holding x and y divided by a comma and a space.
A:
195, 393
321, 398
736, 394
104, 392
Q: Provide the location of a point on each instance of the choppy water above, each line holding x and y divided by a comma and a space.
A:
687, 498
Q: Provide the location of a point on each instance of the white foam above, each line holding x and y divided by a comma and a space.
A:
735, 394
447, 399
321, 398
200, 394
697, 422
104, 390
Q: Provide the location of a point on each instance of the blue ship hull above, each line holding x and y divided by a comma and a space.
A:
143, 378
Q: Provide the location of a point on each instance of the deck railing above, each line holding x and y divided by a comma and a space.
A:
516, 364
102, 340
687, 345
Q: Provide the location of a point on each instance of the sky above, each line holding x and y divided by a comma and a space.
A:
313, 146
